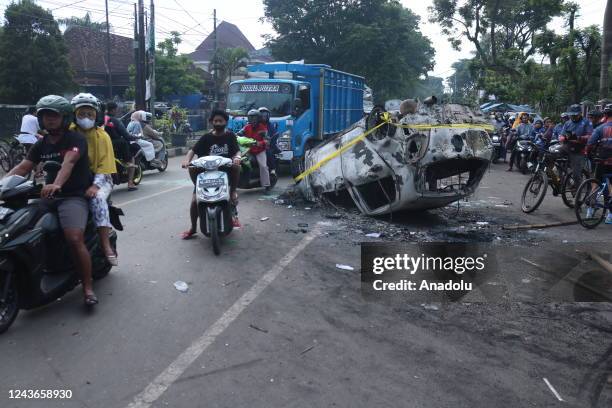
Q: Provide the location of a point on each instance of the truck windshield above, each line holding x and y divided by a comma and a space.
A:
246, 96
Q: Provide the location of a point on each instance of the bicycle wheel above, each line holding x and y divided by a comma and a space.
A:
590, 206
534, 192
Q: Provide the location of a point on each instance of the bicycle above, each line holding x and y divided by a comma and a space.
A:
595, 200
551, 169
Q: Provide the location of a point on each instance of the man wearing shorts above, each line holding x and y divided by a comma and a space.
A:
66, 194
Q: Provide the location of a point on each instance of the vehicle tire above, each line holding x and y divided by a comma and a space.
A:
5, 161
138, 173
523, 165
9, 309
164, 166
213, 223
585, 198
536, 187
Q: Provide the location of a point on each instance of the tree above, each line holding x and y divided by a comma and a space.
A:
495, 27
226, 61
33, 56
378, 39
174, 74
85, 21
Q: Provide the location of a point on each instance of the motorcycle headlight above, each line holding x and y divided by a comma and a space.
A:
495, 139
284, 141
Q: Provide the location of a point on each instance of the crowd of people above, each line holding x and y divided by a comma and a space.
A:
581, 137
87, 139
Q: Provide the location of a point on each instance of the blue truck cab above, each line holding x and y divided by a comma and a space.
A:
309, 103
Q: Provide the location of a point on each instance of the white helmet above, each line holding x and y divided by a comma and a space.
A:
85, 99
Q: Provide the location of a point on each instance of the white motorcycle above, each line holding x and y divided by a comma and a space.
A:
213, 198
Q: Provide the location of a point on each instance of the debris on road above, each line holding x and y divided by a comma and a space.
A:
345, 267
252, 326
306, 350
264, 219
482, 223
374, 235
335, 216
427, 156
430, 306
181, 286
538, 226
552, 389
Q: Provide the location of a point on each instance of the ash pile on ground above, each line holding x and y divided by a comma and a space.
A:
459, 222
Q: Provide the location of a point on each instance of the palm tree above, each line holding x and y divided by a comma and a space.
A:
82, 22
226, 61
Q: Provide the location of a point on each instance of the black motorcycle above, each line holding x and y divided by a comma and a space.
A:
36, 266
524, 155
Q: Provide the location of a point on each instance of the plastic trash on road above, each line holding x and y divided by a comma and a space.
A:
345, 267
181, 286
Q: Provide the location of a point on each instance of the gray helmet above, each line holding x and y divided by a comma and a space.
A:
254, 113
56, 104
85, 99
574, 110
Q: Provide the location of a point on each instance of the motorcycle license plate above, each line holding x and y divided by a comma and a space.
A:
211, 183
5, 212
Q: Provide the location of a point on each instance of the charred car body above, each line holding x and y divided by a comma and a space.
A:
425, 156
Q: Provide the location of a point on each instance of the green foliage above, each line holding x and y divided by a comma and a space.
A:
85, 21
378, 39
227, 61
505, 66
33, 56
171, 122
174, 74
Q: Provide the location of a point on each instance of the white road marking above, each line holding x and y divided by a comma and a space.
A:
150, 196
552, 389
173, 372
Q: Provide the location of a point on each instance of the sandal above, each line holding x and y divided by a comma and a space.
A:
90, 300
112, 259
188, 234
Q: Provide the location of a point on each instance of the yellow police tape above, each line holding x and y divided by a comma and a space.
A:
386, 121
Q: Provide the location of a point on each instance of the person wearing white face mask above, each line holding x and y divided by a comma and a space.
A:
102, 164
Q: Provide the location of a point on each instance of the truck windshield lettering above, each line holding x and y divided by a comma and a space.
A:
277, 97
260, 88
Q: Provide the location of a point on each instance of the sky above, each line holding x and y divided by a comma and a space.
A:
194, 18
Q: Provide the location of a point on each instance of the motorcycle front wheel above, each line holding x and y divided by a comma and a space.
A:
9, 302
213, 215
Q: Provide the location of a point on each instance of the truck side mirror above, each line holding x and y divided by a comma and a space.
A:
297, 107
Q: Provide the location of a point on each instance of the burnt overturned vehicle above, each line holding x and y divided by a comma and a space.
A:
425, 156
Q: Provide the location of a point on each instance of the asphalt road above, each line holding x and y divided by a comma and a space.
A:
273, 323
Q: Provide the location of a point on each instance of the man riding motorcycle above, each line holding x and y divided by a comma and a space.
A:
522, 131
101, 163
219, 142
121, 141
273, 150
258, 130
66, 195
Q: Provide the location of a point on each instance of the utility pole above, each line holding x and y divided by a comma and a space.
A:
216, 94
108, 56
140, 102
136, 61
606, 52
152, 60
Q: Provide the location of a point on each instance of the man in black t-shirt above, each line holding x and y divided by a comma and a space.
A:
219, 142
66, 194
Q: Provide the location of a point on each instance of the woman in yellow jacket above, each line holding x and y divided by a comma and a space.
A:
102, 165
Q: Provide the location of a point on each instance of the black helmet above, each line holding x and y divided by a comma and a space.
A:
56, 104
574, 110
